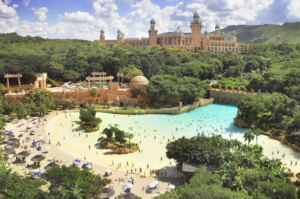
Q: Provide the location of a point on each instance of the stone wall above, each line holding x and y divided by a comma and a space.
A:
229, 96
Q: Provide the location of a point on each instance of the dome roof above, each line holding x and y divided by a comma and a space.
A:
178, 31
139, 80
205, 32
196, 14
217, 26
119, 31
101, 31
152, 21
278, 37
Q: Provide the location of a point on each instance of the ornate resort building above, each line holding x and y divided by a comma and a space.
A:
194, 41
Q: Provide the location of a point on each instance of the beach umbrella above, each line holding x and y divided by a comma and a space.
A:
127, 196
77, 160
21, 132
34, 166
36, 174
7, 152
130, 186
9, 136
155, 182
48, 147
108, 170
171, 186
12, 145
38, 158
23, 127
28, 116
20, 123
34, 143
107, 192
84, 165
41, 137
152, 185
9, 147
39, 148
6, 131
51, 165
23, 154
30, 125
11, 142
12, 139
155, 195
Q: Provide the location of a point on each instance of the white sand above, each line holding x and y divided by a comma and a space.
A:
77, 147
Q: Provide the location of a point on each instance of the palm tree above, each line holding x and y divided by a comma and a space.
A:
249, 136
75, 193
257, 133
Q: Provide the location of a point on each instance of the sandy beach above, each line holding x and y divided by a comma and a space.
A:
75, 144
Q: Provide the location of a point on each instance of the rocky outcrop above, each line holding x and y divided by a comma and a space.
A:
240, 123
119, 148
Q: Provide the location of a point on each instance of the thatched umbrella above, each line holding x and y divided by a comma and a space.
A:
12, 139
7, 152
34, 166
7, 136
127, 196
12, 145
51, 165
23, 154
107, 192
38, 158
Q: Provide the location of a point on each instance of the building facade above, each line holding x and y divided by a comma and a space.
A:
194, 41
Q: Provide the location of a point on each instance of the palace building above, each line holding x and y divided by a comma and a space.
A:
194, 41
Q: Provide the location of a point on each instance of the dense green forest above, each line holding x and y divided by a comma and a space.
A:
270, 67
236, 170
267, 33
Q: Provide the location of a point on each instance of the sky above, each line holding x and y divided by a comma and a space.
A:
83, 19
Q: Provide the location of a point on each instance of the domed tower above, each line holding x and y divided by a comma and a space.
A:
102, 37
196, 26
120, 37
206, 40
278, 41
152, 33
217, 30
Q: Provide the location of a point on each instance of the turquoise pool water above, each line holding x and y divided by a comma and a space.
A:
214, 118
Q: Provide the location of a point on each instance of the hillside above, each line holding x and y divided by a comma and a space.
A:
289, 32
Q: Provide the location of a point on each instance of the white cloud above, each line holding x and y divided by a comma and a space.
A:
8, 18
84, 25
40, 13
294, 8
15, 5
78, 17
26, 2
105, 8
